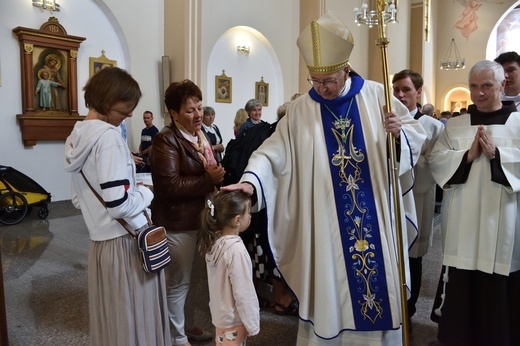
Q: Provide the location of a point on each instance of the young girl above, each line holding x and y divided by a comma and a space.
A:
233, 301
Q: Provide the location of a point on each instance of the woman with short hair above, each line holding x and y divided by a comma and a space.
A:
254, 111
127, 306
184, 173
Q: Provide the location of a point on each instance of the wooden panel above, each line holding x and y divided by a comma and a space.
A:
36, 128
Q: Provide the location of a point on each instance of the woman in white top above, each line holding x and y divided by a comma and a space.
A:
127, 306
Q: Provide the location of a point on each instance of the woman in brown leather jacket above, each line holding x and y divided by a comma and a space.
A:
184, 173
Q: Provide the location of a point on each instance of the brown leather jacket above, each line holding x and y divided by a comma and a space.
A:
180, 182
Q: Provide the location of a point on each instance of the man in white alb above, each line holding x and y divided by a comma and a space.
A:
510, 61
324, 173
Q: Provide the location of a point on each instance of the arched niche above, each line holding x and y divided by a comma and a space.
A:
246, 70
456, 97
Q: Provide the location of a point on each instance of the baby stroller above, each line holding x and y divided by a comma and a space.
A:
18, 193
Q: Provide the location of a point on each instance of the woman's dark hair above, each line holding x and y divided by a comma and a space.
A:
217, 214
110, 86
178, 92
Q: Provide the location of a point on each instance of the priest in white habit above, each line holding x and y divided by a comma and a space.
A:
324, 180
476, 160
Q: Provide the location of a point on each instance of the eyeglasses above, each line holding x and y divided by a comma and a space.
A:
326, 82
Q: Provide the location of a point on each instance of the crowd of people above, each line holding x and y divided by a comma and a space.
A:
307, 207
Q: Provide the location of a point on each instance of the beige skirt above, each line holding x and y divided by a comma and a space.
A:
127, 306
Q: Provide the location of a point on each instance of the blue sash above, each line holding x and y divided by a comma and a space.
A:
356, 209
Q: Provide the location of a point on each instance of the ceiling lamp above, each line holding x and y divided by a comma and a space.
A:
369, 16
452, 63
449, 62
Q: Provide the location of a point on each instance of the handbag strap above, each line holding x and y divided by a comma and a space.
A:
121, 221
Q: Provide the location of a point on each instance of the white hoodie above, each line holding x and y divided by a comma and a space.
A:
232, 295
97, 148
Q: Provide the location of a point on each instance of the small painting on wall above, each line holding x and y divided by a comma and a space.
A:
99, 63
262, 92
223, 91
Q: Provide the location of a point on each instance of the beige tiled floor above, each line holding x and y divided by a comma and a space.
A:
44, 264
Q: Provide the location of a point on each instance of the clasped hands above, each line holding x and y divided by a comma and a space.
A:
482, 144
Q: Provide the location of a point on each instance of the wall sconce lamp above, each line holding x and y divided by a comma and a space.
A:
243, 49
50, 5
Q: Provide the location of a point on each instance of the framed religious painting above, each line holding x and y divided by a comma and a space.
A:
262, 92
457, 105
223, 88
99, 63
49, 80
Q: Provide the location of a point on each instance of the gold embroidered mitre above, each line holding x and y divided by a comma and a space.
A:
326, 44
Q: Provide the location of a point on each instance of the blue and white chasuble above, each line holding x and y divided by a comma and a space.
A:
322, 177
357, 215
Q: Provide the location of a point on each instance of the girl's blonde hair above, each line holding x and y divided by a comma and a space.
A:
240, 117
219, 213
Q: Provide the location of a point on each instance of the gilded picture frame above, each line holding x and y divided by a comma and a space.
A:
223, 88
262, 92
99, 63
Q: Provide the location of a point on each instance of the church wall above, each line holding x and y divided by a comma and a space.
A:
114, 26
472, 47
135, 37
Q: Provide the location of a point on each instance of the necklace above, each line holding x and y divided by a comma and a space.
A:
341, 123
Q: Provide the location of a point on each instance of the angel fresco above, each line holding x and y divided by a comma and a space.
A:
467, 22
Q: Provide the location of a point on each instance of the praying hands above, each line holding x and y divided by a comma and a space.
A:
482, 144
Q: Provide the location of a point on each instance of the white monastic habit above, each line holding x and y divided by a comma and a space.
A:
489, 239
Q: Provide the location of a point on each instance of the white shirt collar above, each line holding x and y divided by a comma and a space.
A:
208, 128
